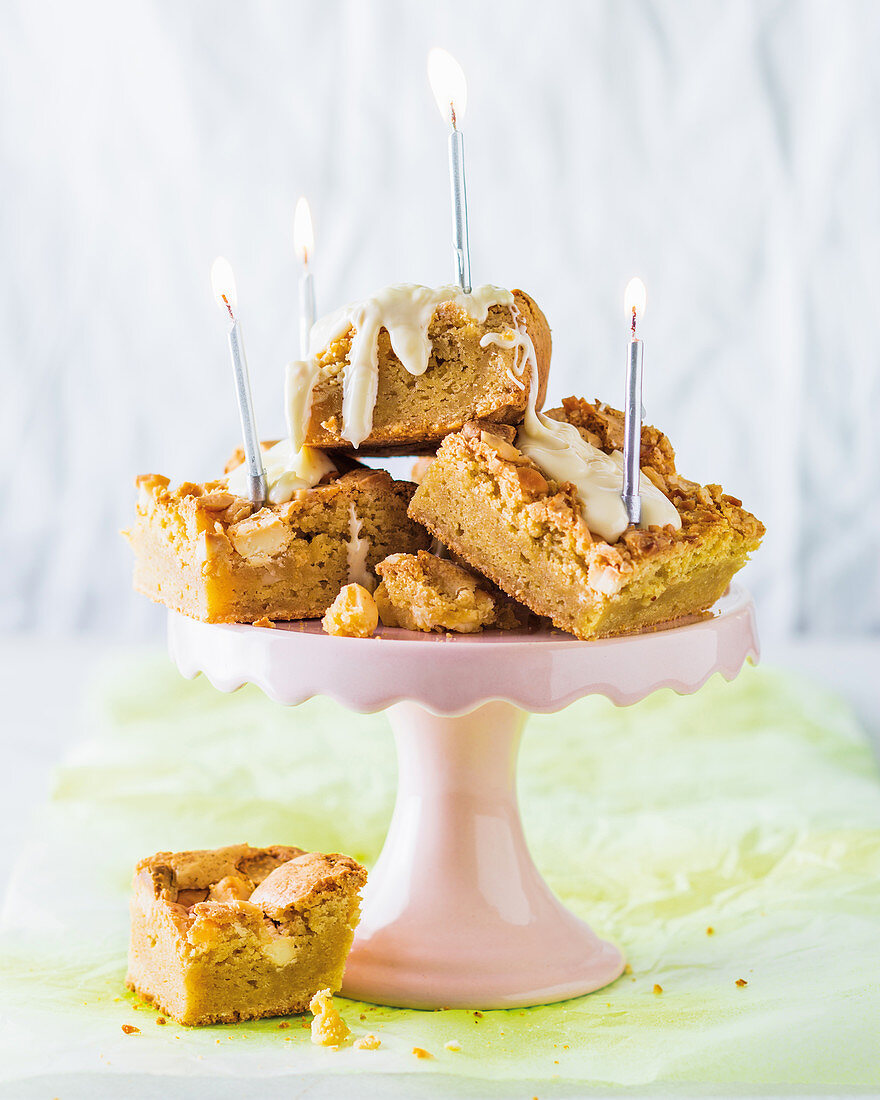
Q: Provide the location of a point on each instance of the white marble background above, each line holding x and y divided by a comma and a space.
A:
725, 150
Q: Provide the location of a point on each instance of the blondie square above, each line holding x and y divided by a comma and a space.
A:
238, 933
471, 373
493, 506
207, 553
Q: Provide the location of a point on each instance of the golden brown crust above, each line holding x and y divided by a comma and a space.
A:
603, 426
201, 868
300, 882
539, 331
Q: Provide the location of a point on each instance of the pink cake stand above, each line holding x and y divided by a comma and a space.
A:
455, 912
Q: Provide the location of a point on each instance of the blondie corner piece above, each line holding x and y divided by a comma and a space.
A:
428, 593
204, 552
239, 933
492, 506
464, 381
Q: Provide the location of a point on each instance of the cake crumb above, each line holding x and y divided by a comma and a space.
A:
710, 931
453, 1045
283, 1025
265, 621
353, 614
363, 1016
161, 1021
658, 988
741, 982
479, 1015
627, 969
328, 1027
420, 1052
130, 1029
367, 1042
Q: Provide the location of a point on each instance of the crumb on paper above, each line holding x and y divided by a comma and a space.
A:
627, 969
453, 1045
130, 1029
741, 982
420, 1052
265, 621
367, 1042
363, 1016
710, 931
479, 1015
161, 1021
328, 1027
658, 988
284, 1024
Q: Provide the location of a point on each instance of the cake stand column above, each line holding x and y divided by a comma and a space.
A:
455, 912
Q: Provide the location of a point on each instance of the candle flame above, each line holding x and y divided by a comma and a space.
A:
223, 284
303, 230
635, 300
448, 84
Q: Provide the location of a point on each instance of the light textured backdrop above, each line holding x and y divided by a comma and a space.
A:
725, 150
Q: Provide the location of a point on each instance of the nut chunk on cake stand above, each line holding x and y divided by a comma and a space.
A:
455, 912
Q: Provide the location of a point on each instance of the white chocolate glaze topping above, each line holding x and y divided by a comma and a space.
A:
563, 454
287, 470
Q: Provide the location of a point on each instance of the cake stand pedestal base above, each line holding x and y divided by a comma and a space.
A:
457, 842
455, 912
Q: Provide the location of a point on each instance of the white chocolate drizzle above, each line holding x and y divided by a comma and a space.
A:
563, 454
287, 471
405, 311
508, 339
289, 465
357, 547
299, 382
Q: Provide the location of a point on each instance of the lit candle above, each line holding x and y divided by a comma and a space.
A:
223, 283
304, 245
634, 302
450, 90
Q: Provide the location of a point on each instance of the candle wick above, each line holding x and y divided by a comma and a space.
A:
228, 306
634, 323
452, 114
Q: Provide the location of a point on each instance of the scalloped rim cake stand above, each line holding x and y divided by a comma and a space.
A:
455, 912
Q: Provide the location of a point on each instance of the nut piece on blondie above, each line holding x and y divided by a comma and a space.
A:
492, 506
353, 614
238, 933
424, 592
